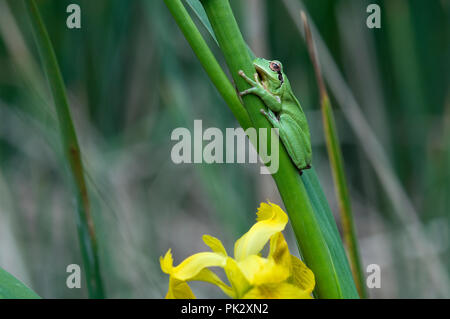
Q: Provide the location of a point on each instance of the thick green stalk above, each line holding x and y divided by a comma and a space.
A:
85, 224
318, 247
337, 167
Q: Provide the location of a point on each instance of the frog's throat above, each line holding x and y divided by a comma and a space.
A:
264, 77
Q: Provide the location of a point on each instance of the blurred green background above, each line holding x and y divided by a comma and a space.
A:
132, 78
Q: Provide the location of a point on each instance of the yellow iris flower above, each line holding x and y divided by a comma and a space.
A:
279, 275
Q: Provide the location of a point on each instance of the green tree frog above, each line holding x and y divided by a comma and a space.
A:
284, 112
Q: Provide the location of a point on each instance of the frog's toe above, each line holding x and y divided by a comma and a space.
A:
245, 92
246, 78
256, 77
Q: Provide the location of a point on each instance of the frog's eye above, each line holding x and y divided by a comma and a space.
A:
275, 67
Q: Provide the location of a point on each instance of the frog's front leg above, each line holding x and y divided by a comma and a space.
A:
271, 101
256, 85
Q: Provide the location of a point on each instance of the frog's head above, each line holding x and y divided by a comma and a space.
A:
270, 73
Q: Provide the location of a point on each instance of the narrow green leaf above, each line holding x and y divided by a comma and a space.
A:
72, 153
201, 15
329, 232
12, 288
197, 7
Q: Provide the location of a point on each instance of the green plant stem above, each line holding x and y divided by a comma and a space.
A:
337, 167
208, 61
332, 281
72, 153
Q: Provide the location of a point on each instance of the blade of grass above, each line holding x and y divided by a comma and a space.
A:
85, 224
19, 53
12, 288
197, 8
313, 237
337, 167
403, 207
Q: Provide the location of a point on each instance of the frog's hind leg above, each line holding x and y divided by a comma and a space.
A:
271, 117
291, 146
293, 143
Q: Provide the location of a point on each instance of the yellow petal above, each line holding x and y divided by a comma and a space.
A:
277, 291
207, 275
215, 244
271, 219
166, 262
302, 276
179, 290
279, 250
236, 278
259, 270
192, 265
